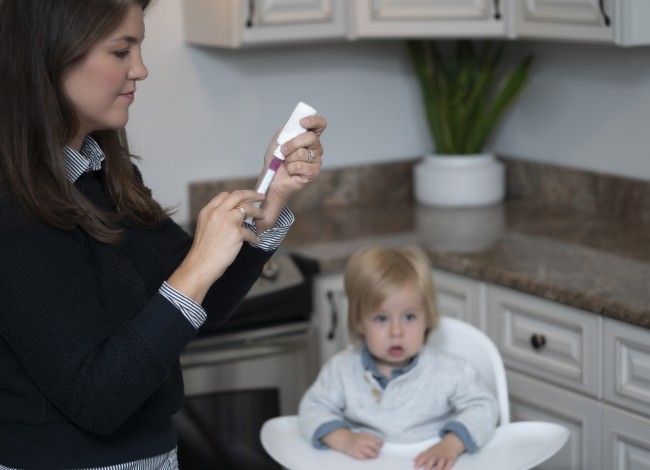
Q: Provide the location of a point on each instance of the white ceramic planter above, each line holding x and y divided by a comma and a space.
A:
459, 180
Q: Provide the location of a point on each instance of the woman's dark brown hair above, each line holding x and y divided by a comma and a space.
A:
39, 41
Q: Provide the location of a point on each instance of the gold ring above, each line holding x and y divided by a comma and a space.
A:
242, 210
310, 158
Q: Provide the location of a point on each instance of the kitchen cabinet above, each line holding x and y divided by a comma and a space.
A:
429, 18
535, 400
626, 440
621, 22
242, 23
254, 23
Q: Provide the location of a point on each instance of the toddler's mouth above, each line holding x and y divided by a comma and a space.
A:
396, 351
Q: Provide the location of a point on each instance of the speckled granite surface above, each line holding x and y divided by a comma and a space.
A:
578, 238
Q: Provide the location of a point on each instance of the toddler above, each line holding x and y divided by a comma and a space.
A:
388, 385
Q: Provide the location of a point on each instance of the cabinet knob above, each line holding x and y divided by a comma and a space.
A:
334, 316
537, 341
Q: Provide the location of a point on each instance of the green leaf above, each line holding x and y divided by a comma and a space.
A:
464, 91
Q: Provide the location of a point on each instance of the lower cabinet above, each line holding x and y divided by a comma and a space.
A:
534, 400
625, 440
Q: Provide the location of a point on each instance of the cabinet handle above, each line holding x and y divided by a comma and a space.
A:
334, 314
251, 13
537, 341
497, 10
606, 20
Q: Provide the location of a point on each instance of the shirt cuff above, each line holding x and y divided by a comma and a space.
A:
271, 239
324, 429
192, 311
461, 431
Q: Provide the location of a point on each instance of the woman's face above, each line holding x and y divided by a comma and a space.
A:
101, 86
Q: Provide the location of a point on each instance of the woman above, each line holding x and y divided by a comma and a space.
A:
100, 290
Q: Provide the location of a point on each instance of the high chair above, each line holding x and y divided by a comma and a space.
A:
514, 446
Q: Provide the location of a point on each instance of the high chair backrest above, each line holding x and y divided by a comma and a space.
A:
470, 343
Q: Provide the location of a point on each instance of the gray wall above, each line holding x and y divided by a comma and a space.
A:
206, 114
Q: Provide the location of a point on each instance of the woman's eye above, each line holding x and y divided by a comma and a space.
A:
121, 54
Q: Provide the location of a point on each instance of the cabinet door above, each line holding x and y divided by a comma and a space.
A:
461, 298
626, 361
565, 19
239, 23
534, 400
429, 18
331, 315
626, 440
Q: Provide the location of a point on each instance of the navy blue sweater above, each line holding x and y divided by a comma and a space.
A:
88, 347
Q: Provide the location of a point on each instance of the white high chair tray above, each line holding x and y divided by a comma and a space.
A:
514, 446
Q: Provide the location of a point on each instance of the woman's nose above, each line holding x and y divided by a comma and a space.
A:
138, 71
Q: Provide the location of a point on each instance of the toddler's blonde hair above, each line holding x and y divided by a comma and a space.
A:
372, 274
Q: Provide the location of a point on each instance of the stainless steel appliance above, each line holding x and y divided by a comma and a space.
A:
255, 367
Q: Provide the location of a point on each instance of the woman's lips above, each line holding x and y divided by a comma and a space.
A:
129, 96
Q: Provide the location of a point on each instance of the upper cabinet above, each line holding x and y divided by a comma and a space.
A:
429, 18
244, 23
622, 22
241, 23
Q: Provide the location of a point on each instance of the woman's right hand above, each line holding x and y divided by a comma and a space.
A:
218, 238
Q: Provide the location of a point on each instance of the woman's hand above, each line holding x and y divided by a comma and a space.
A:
303, 159
441, 456
359, 445
218, 238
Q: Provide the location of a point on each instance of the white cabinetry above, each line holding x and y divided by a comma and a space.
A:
429, 18
331, 315
239, 23
622, 22
626, 440
460, 297
244, 23
546, 340
535, 400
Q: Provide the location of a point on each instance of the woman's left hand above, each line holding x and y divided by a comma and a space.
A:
303, 159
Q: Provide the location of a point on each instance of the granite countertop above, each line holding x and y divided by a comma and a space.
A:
583, 260
576, 237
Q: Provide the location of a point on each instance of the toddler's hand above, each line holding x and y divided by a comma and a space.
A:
441, 456
359, 445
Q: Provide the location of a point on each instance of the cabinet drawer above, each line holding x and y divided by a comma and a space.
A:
546, 339
627, 365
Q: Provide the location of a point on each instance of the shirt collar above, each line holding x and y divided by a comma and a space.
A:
370, 365
89, 158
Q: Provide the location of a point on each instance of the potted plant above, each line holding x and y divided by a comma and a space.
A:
465, 93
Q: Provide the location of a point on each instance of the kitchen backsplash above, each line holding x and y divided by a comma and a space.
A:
391, 183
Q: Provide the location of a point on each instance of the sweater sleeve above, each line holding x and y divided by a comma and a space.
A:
321, 408
475, 409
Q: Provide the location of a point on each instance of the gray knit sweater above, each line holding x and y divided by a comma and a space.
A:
414, 406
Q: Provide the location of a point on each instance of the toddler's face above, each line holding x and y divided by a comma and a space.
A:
394, 332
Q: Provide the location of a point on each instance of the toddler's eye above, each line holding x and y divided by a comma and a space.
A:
379, 318
411, 316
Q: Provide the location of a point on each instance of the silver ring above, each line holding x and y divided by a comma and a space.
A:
310, 158
242, 210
